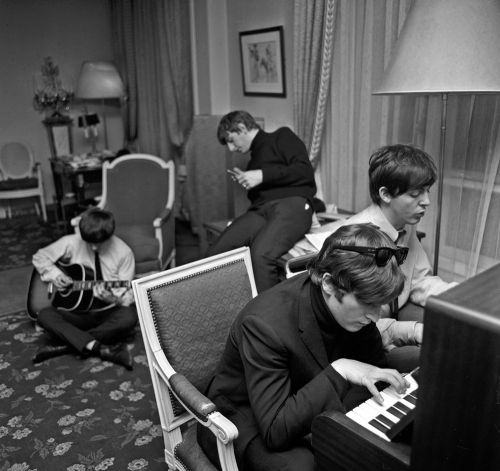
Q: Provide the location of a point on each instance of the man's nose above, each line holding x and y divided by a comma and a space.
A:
425, 200
374, 314
231, 146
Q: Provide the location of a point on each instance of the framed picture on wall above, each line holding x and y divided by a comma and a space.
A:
263, 62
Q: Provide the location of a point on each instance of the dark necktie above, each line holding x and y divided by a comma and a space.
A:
394, 306
401, 234
97, 262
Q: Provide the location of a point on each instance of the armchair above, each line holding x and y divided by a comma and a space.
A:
20, 176
139, 190
185, 314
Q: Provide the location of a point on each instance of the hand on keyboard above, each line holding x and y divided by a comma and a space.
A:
367, 375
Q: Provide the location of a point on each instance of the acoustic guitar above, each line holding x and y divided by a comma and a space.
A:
77, 297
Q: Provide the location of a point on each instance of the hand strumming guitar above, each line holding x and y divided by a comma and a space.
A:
106, 295
62, 281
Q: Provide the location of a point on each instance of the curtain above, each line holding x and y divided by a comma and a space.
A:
313, 41
358, 122
152, 50
470, 239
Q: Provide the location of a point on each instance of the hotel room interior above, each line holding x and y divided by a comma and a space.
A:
352, 76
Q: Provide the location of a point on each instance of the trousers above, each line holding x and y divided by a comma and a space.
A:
79, 328
270, 230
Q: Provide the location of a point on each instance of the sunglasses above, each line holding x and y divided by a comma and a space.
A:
382, 255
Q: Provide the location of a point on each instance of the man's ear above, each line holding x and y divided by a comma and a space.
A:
384, 194
242, 128
327, 286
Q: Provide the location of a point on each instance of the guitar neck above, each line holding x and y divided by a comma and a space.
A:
89, 284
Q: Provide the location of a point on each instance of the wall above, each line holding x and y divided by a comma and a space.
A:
218, 78
70, 31
243, 15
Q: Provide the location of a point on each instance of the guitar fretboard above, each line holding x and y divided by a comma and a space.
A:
89, 284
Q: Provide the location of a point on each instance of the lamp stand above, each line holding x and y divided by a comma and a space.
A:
444, 106
105, 125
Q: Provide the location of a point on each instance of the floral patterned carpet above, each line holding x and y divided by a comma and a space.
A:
21, 237
74, 414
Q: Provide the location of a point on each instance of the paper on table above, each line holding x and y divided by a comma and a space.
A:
317, 239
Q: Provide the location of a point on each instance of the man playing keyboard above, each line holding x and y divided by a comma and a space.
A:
307, 345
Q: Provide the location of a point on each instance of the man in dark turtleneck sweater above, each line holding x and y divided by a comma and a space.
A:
279, 179
308, 345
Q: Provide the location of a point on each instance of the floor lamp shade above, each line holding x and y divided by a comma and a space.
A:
99, 80
445, 46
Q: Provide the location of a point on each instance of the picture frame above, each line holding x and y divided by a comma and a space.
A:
60, 138
263, 62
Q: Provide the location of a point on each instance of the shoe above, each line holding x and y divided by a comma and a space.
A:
51, 352
118, 354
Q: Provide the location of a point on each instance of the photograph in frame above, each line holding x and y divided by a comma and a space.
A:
262, 62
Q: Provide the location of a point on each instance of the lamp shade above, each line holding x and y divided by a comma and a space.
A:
99, 80
446, 46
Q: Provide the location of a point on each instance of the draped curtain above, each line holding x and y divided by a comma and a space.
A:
358, 122
313, 41
152, 51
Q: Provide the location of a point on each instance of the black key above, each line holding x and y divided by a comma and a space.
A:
378, 425
402, 407
397, 413
409, 398
385, 420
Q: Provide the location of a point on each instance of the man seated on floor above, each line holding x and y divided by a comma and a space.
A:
97, 329
307, 345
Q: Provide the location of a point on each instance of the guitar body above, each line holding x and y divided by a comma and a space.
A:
39, 296
75, 300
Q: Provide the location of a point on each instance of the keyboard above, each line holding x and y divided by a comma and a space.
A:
393, 416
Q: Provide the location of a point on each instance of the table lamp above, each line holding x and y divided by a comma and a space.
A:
99, 81
446, 46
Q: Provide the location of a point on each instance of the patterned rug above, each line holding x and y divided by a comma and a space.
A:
74, 414
21, 237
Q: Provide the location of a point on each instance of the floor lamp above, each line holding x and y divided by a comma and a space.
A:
445, 46
99, 81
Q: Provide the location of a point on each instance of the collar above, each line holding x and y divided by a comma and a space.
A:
308, 325
380, 220
257, 139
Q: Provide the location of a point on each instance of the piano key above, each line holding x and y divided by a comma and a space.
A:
388, 419
395, 412
379, 426
379, 429
370, 407
412, 400
390, 396
402, 407
385, 420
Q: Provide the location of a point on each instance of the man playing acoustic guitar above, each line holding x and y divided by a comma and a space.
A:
90, 326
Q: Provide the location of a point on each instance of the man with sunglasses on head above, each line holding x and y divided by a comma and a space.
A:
307, 345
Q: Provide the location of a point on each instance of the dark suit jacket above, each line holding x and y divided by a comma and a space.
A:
274, 376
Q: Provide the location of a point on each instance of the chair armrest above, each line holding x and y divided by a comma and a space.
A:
298, 264
164, 215
192, 399
202, 408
